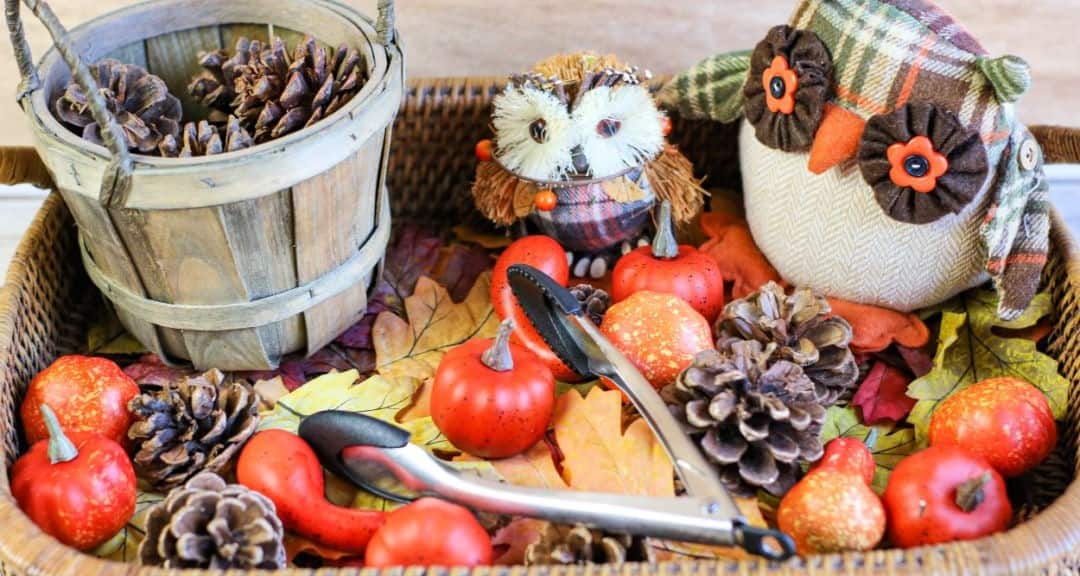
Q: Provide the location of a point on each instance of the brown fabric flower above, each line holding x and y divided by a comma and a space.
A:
786, 53
895, 179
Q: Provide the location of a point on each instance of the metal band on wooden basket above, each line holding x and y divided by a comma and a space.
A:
268, 310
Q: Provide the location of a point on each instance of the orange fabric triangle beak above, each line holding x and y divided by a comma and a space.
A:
837, 138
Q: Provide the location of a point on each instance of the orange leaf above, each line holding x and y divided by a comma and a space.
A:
535, 468
876, 328
421, 406
737, 256
515, 538
669, 551
598, 456
297, 545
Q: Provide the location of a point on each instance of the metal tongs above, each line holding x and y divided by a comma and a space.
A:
379, 456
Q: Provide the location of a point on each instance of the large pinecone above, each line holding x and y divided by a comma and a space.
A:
804, 332
205, 139
273, 94
210, 524
758, 418
196, 424
594, 300
562, 544
140, 101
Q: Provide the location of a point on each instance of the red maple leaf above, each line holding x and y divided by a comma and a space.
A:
881, 395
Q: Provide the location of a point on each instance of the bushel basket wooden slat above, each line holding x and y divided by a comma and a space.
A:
47, 301
235, 259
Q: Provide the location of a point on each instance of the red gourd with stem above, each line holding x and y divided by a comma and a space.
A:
78, 488
669, 268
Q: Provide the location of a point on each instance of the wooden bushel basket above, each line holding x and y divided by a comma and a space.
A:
233, 260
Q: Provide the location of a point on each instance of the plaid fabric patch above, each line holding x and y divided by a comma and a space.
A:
885, 57
586, 219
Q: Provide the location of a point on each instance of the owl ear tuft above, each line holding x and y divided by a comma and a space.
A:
712, 88
1009, 75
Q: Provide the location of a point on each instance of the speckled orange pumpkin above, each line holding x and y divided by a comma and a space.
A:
1007, 421
659, 333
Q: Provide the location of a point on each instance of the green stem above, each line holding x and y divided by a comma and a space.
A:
665, 246
498, 357
60, 448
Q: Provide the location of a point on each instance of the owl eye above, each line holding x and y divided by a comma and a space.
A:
618, 128
785, 94
922, 163
533, 133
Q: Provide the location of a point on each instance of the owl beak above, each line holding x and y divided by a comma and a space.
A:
837, 138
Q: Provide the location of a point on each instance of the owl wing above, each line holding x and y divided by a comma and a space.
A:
712, 88
1017, 229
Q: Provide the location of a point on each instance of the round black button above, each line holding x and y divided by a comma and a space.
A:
916, 165
538, 130
777, 87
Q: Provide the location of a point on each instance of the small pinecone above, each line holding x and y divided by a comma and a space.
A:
205, 139
273, 94
804, 333
140, 101
758, 418
561, 544
196, 424
594, 300
210, 524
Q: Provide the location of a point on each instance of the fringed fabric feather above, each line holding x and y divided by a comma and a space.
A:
671, 176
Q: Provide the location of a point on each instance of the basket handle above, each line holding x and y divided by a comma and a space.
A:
117, 178
387, 20
1060, 145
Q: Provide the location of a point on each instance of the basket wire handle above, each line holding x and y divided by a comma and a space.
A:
117, 178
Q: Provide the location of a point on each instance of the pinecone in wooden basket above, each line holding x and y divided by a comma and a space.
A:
568, 545
594, 300
196, 424
804, 333
140, 101
273, 94
210, 524
205, 139
758, 418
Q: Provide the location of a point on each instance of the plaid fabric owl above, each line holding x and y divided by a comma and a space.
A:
579, 154
881, 158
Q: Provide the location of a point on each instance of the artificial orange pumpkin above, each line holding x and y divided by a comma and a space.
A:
547, 256
659, 333
670, 268
1007, 421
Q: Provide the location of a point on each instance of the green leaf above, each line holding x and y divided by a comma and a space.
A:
890, 447
969, 351
108, 336
124, 547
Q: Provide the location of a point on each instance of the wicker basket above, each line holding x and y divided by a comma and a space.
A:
236, 259
44, 304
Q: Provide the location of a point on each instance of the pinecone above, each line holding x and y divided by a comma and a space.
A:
140, 101
210, 524
594, 300
196, 424
272, 94
205, 140
561, 544
804, 332
757, 417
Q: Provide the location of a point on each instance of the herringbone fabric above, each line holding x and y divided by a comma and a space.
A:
828, 233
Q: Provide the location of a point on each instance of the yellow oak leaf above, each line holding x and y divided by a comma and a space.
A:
434, 323
379, 396
534, 468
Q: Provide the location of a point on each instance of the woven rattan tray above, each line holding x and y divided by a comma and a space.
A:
47, 298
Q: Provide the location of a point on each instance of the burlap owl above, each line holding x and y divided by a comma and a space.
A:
882, 162
579, 154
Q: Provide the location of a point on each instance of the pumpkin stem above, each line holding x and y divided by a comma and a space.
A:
60, 448
665, 246
970, 494
498, 357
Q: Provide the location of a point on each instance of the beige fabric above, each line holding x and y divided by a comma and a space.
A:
827, 232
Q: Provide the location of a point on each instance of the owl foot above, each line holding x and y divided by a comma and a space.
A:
586, 266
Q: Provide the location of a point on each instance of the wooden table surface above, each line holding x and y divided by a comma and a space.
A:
498, 37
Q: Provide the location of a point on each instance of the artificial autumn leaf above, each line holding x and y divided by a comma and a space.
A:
296, 545
737, 256
511, 541
435, 324
485, 239
270, 391
969, 351
919, 360
411, 255
124, 547
671, 551
150, 370
458, 268
889, 447
874, 328
881, 396
108, 336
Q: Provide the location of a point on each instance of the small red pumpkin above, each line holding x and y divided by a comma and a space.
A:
493, 399
659, 333
672, 269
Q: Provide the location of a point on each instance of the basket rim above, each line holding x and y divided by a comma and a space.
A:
348, 129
